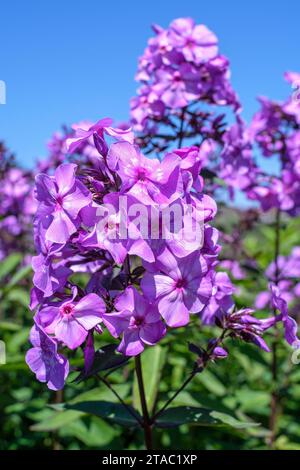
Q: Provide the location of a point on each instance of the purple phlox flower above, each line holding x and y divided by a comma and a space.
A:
273, 192
289, 323
234, 268
244, 326
191, 164
179, 285
137, 320
146, 103
176, 88
70, 321
288, 266
43, 359
221, 300
86, 131
196, 42
50, 274
148, 180
60, 200
182, 226
115, 229
237, 166
218, 352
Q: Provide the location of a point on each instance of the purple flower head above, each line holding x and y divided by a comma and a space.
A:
180, 286
137, 320
43, 359
70, 321
60, 200
148, 180
176, 88
289, 324
221, 300
84, 132
196, 42
49, 277
243, 325
114, 229
180, 65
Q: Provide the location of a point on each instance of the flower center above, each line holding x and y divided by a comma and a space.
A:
59, 203
67, 309
141, 174
190, 43
180, 283
138, 321
177, 77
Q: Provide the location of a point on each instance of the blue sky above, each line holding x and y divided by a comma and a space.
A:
64, 61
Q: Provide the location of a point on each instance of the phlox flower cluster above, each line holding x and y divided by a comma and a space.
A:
275, 130
180, 69
139, 286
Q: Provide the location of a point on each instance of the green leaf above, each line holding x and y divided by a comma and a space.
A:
56, 421
9, 264
153, 360
105, 358
253, 401
9, 326
200, 417
114, 412
212, 383
94, 434
102, 393
18, 276
18, 295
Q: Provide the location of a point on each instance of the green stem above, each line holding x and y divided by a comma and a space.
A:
185, 383
130, 411
146, 419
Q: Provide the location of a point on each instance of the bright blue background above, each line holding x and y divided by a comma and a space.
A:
64, 61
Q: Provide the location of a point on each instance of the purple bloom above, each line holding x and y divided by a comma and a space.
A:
180, 65
176, 88
138, 320
148, 180
179, 285
103, 126
70, 321
241, 324
221, 300
44, 360
289, 324
116, 232
49, 277
197, 42
61, 198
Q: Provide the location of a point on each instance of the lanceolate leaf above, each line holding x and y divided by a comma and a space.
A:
199, 417
114, 412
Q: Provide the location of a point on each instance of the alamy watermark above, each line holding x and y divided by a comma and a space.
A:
2, 92
132, 221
